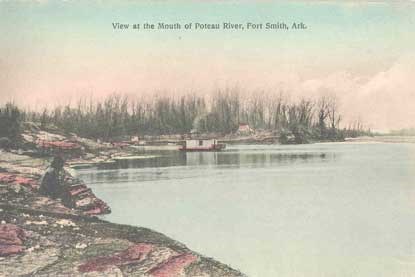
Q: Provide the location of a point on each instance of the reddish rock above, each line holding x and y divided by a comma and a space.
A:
90, 204
7, 238
75, 186
27, 182
102, 206
11, 231
11, 239
77, 195
133, 254
137, 252
48, 204
78, 190
6, 250
9, 178
94, 211
62, 145
174, 266
6, 177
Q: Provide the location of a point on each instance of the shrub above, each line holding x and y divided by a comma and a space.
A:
10, 121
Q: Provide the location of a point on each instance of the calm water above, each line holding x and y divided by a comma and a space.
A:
341, 209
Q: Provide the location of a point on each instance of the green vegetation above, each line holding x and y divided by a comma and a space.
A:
10, 122
117, 116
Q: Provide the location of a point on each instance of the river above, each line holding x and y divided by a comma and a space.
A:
329, 209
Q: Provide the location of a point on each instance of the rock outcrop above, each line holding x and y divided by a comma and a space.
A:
56, 244
41, 236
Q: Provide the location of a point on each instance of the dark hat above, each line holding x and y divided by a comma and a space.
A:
57, 162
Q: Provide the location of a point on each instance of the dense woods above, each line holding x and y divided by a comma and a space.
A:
119, 116
10, 122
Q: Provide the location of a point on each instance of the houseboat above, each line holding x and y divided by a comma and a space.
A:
202, 145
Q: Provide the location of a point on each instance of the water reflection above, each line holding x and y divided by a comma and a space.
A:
232, 158
167, 159
312, 210
181, 165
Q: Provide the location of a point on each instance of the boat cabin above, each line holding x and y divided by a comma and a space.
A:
202, 145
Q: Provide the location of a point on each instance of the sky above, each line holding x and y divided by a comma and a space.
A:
54, 52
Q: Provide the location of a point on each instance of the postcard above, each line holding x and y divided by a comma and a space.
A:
207, 138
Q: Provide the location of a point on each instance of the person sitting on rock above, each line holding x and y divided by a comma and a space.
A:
51, 184
5, 143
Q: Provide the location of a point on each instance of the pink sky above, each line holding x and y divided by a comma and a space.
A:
382, 100
361, 53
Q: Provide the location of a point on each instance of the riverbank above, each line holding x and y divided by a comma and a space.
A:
43, 236
40, 236
384, 139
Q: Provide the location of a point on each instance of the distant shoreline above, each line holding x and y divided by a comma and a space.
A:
384, 139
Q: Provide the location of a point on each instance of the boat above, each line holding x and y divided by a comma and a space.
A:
199, 145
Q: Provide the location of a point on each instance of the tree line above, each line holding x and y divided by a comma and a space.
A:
119, 116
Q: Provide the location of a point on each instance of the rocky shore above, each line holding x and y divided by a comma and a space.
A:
40, 236
38, 243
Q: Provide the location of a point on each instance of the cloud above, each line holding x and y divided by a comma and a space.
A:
383, 101
389, 97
